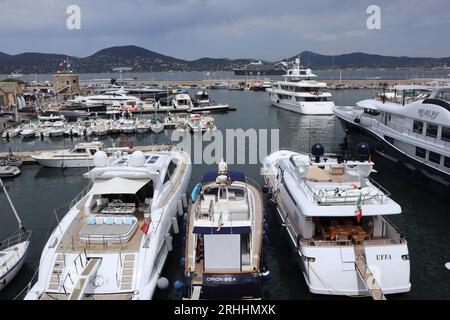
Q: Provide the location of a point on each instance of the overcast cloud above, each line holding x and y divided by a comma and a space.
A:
190, 29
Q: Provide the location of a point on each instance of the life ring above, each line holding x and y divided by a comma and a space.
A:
357, 120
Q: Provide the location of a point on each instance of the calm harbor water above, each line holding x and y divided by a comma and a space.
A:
424, 221
331, 74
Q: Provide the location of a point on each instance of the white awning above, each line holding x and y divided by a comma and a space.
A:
118, 186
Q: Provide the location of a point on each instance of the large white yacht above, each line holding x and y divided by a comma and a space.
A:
335, 219
409, 129
299, 93
113, 242
109, 98
224, 238
81, 155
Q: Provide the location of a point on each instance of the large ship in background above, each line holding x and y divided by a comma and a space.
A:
258, 68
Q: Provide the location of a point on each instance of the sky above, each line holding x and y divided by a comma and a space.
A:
265, 29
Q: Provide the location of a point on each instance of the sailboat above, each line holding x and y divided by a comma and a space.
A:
13, 250
155, 125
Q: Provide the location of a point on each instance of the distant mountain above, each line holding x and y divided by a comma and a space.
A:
364, 60
141, 59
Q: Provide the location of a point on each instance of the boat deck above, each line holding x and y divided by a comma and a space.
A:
72, 243
256, 240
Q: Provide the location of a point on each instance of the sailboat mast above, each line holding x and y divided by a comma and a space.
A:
12, 206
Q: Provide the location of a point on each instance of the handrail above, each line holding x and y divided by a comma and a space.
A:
17, 238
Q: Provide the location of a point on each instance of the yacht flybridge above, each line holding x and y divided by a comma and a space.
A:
114, 240
298, 92
335, 219
409, 129
224, 238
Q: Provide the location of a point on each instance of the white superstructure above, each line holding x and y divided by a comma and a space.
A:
335, 219
115, 238
410, 128
298, 92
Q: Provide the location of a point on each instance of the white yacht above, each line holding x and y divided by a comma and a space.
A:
202, 103
335, 219
409, 130
82, 155
113, 242
14, 250
57, 129
224, 238
109, 98
299, 93
182, 102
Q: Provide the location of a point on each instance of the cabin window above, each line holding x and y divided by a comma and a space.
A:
418, 126
93, 151
432, 130
434, 157
420, 152
447, 162
166, 178
371, 112
445, 134
171, 168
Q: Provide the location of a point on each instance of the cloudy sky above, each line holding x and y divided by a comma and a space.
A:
265, 29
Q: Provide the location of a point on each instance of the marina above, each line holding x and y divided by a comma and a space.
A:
225, 158
286, 279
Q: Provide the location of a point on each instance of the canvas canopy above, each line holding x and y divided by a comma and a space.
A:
118, 186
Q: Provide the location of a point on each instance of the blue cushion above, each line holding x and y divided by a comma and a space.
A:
109, 220
91, 220
128, 221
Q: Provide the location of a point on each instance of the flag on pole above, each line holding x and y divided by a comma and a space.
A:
145, 226
359, 212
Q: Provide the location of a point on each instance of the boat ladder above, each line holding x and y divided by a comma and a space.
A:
126, 281
55, 277
366, 274
86, 274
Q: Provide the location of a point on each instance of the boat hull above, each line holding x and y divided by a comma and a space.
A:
390, 157
65, 163
307, 108
226, 286
11, 273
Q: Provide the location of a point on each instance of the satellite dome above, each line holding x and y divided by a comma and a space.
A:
100, 159
308, 71
138, 159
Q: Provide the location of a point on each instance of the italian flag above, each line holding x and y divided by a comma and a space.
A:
359, 212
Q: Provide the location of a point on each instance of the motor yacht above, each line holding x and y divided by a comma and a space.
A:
113, 242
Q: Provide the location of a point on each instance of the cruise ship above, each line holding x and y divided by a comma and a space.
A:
335, 219
298, 92
113, 242
224, 238
409, 130
258, 68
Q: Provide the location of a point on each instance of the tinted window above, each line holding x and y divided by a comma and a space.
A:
445, 134
420, 152
418, 126
434, 157
447, 162
432, 130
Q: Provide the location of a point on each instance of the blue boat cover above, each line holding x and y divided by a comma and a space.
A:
196, 192
234, 176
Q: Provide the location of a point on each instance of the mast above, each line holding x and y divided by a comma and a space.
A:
12, 207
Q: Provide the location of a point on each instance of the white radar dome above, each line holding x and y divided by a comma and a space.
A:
308, 71
100, 159
138, 159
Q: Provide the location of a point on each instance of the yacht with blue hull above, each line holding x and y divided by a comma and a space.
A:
224, 238
335, 219
409, 130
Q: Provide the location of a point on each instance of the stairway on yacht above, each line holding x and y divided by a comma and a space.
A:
366, 274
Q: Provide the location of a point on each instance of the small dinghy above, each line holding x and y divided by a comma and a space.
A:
9, 171
13, 250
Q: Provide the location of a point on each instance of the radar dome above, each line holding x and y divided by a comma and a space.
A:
100, 159
317, 151
308, 71
138, 159
363, 151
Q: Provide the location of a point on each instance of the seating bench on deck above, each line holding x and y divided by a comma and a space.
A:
101, 228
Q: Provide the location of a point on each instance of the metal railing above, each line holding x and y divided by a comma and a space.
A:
19, 237
80, 196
